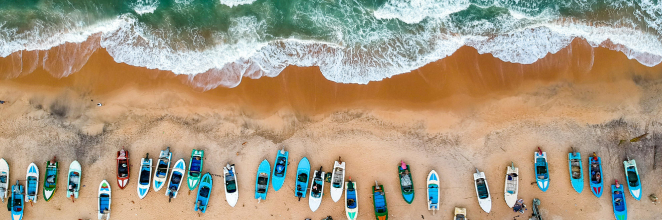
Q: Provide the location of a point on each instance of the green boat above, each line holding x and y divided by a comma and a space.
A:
195, 168
406, 182
50, 179
379, 201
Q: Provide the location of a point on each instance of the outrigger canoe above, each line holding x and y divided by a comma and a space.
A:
632, 177
618, 201
379, 201
176, 178
303, 175
351, 200
16, 201
50, 179
32, 183
595, 171
123, 168
512, 185
204, 192
145, 176
316, 190
280, 170
482, 191
576, 171
230, 184
162, 167
433, 191
73, 180
4, 179
195, 168
337, 180
262, 181
104, 200
406, 182
542, 170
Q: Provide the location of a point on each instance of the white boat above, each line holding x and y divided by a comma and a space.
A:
176, 178
162, 167
73, 180
433, 191
482, 191
104, 200
145, 176
351, 200
316, 190
4, 179
511, 186
230, 184
337, 180
32, 183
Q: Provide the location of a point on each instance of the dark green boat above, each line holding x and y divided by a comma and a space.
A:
379, 200
406, 182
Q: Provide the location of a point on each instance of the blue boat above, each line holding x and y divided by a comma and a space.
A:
632, 177
618, 200
595, 171
204, 191
542, 170
576, 171
303, 174
16, 201
280, 170
433, 191
262, 180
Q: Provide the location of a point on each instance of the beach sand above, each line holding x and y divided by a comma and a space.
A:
463, 112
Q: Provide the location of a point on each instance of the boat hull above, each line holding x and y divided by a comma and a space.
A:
302, 186
73, 179
337, 181
123, 168
315, 202
407, 194
542, 178
195, 169
204, 193
231, 197
433, 191
379, 199
486, 202
165, 157
51, 172
17, 194
265, 169
511, 186
351, 212
620, 211
633, 180
104, 190
577, 175
278, 178
177, 172
597, 186
32, 183
145, 169
4, 173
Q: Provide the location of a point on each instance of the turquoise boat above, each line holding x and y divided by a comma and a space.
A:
542, 170
595, 171
16, 201
280, 170
303, 174
204, 192
632, 177
195, 168
576, 171
618, 201
262, 180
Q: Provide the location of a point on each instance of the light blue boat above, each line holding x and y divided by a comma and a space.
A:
618, 201
262, 180
576, 171
632, 177
595, 171
204, 192
303, 174
16, 201
542, 170
280, 170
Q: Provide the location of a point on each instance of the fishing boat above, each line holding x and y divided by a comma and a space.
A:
535, 209
280, 170
162, 167
460, 214
195, 168
351, 200
123, 168
379, 201
576, 171
433, 191
16, 201
4, 179
618, 201
542, 170
632, 177
230, 184
316, 190
337, 180
512, 185
482, 191
175, 179
73, 180
32, 183
406, 182
595, 171
303, 175
104, 200
204, 192
50, 179
262, 181
145, 176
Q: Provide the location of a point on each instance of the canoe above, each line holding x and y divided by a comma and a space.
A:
204, 192
176, 177
542, 170
337, 180
379, 201
4, 179
262, 180
316, 190
618, 201
632, 177
123, 168
104, 200
280, 170
482, 191
303, 175
195, 168
230, 184
595, 171
145, 176
406, 182
351, 200
460, 214
50, 179
32, 183
73, 180
512, 185
576, 171
16, 201
433, 191
535, 209
162, 167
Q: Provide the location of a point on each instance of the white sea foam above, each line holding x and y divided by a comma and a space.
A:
414, 11
232, 3
145, 6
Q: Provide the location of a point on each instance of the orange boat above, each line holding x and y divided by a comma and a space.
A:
122, 168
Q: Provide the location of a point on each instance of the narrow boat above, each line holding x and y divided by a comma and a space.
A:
379, 201
204, 192
145, 176
303, 175
162, 167
406, 182
433, 191
262, 181
104, 200
195, 168
632, 177
535, 209
73, 180
595, 170
123, 168
32, 183
175, 179
337, 180
4, 179
230, 184
351, 200
50, 179
542, 170
576, 171
618, 201
16, 201
482, 191
512, 185
460, 214
280, 170
316, 190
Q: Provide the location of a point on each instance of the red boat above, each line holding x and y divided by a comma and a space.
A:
122, 168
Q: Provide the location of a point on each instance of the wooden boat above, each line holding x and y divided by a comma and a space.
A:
433, 191
316, 190
230, 184
145, 176
536, 215
595, 171
337, 180
406, 182
618, 201
512, 185
73, 180
379, 201
632, 177
195, 168
542, 170
123, 168
303, 175
262, 181
460, 214
32, 183
204, 192
576, 171
50, 179
176, 178
162, 168
4, 179
351, 200
16, 201
280, 170
104, 200
482, 191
